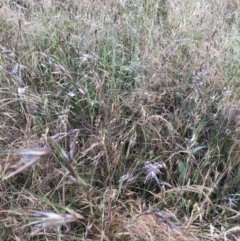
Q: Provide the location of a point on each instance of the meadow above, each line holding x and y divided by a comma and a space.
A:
119, 120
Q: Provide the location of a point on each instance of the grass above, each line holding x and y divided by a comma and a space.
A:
119, 120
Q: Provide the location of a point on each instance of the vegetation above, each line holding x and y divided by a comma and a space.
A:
119, 120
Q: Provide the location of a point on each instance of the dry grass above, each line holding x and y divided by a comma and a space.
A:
119, 120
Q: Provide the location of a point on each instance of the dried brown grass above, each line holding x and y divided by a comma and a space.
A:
134, 109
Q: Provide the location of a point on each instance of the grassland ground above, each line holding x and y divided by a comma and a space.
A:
119, 120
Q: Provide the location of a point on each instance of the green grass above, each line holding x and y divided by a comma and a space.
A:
119, 120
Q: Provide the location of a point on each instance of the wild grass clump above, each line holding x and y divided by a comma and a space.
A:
119, 120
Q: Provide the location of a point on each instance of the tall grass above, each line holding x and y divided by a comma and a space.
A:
119, 120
